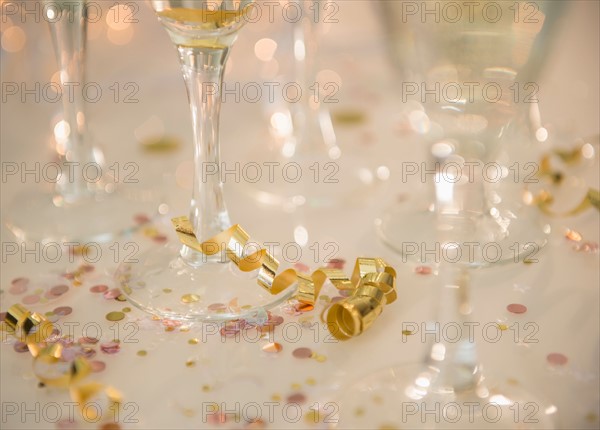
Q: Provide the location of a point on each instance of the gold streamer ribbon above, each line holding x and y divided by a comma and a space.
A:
372, 282
34, 329
570, 157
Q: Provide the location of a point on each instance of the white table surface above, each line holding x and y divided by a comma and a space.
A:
561, 291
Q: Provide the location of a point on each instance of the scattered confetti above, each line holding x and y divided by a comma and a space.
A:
302, 353
272, 347
110, 347
193, 341
20, 347
573, 236
217, 307
557, 359
190, 298
142, 353
126, 309
59, 290
63, 310
423, 270
112, 294
336, 263
301, 267
99, 288
18, 286
516, 308
31, 299
115, 316
589, 247
167, 290
141, 219
190, 363
407, 332
296, 398
88, 340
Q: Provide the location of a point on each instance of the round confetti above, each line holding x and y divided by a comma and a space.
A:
217, 307
97, 366
20, 347
31, 299
193, 341
296, 398
305, 307
110, 426
63, 310
18, 286
190, 298
126, 309
301, 267
167, 290
88, 353
423, 270
86, 268
302, 353
59, 290
110, 347
115, 316
272, 347
573, 236
141, 219
160, 238
516, 308
112, 294
142, 353
274, 320
336, 263
88, 340
99, 288
557, 359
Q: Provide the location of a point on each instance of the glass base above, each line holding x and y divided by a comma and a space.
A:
398, 397
40, 217
506, 238
163, 284
311, 179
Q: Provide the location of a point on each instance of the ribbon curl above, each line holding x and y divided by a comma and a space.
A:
34, 329
372, 282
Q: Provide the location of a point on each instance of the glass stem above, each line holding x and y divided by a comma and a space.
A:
312, 124
203, 74
453, 354
75, 150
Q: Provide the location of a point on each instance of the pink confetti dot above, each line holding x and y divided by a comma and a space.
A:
99, 288
97, 366
110, 347
336, 263
63, 310
302, 353
160, 238
217, 307
423, 270
301, 267
30, 300
557, 359
87, 268
298, 398
19, 286
516, 308
112, 294
141, 219
88, 340
59, 290
20, 347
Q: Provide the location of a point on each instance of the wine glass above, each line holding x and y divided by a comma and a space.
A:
302, 132
450, 388
178, 282
471, 76
87, 204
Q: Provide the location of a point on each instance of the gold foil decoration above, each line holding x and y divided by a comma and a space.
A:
372, 282
48, 364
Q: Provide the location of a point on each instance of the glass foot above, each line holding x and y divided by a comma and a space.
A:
400, 397
503, 238
163, 284
40, 217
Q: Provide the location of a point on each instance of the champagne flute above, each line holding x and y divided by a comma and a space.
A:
472, 73
181, 283
87, 203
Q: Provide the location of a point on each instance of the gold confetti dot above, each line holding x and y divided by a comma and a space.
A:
311, 381
528, 261
206, 388
378, 400
407, 332
591, 417
120, 298
503, 327
184, 329
193, 341
348, 117
296, 386
190, 298
189, 412
321, 358
167, 290
387, 427
512, 381
313, 416
359, 412
126, 309
190, 363
115, 316
142, 353
276, 397
169, 328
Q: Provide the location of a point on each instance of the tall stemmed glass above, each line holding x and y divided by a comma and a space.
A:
87, 204
177, 282
472, 74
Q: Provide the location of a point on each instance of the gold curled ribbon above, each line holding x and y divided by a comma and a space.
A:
48, 365
545, 199
372, 282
